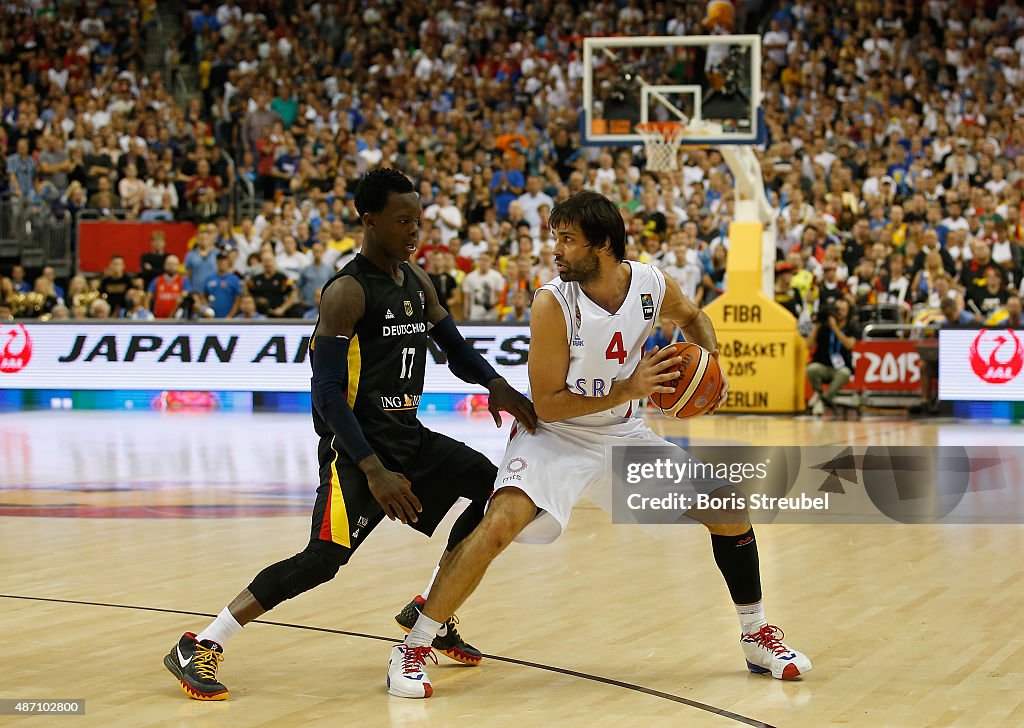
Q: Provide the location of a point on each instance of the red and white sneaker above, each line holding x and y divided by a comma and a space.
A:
766, 652
406, 676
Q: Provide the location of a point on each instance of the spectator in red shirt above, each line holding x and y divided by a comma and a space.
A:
266, 148
166, 291
203, 192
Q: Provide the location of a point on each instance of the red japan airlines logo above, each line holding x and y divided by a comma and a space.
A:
997, 356
15, 349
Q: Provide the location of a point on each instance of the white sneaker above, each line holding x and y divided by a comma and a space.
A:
766, 652
814, 400
406, 676
818, 409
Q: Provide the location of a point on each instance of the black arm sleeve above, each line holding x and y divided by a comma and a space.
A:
329, 356
464, 361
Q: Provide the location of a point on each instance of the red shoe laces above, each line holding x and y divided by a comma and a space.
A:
416, 658
770, 637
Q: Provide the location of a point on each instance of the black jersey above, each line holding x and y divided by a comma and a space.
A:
386, 362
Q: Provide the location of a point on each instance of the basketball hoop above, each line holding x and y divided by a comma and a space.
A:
662, 140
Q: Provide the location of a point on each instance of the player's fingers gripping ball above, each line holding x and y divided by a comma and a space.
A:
697, 387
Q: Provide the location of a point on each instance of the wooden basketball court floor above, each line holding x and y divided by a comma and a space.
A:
119, 531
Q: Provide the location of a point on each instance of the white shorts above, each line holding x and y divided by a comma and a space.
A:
559, 463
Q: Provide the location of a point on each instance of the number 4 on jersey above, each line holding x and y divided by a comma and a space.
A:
615, 349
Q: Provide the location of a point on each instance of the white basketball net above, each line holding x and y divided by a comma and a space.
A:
661, 145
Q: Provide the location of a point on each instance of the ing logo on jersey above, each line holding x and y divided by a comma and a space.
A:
400, 402
579, 318
647, 302
408, 307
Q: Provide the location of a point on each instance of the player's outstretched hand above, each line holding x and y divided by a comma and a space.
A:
504, 398
725, 386
394, 493
655, 369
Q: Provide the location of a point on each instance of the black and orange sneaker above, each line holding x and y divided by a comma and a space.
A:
195, 666
449, 644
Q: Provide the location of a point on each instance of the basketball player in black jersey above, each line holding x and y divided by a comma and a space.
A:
368, 353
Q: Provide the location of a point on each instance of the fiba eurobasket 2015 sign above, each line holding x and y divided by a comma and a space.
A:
257, 357
985, 364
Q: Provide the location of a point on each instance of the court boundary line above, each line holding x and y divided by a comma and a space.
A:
498, 658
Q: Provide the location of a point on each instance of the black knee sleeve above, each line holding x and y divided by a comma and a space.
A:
466, 522
478, 484
478, 481
316, 564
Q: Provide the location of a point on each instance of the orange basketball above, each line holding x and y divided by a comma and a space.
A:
698, 386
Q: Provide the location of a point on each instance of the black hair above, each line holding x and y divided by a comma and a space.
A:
376, 185
596, 216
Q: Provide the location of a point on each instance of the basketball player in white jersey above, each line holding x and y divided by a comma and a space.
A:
587, 373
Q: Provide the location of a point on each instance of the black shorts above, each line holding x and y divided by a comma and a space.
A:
346, 512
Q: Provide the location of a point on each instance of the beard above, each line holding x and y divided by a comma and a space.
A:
582, 271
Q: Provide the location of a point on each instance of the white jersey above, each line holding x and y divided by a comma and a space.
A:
606, 347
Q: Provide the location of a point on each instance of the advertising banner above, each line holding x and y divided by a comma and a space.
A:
981, 365
260, 357
100, 239
886, 366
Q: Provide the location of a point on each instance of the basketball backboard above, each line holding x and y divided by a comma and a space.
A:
713, 80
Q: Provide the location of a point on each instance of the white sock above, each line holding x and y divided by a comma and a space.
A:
423, 632
221, 629
426, 592
751, 617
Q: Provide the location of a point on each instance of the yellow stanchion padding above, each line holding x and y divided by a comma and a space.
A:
763, 354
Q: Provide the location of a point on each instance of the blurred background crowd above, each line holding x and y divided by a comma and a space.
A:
894, 150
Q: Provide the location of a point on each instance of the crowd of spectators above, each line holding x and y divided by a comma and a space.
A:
85, 124
894, 150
